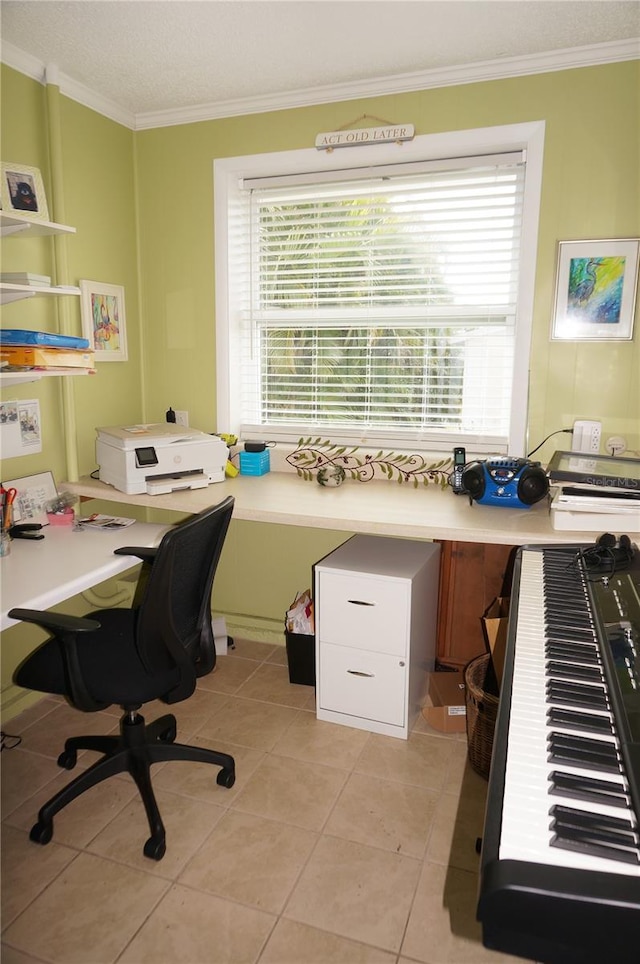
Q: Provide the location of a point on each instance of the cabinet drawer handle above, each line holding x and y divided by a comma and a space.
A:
360, 602
358, 672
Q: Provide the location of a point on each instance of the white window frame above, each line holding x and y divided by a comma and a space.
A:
229, 174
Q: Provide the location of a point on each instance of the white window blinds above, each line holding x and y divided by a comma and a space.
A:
380, 304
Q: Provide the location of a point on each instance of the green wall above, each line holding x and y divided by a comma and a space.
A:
99, 201
591, 189
142, 203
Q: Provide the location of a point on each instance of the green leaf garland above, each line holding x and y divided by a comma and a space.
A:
313, 454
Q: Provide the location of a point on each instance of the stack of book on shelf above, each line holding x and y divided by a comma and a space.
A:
595, 508
595, 493
22, 350
25, 278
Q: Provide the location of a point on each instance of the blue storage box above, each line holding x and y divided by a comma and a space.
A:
47, 339
255, 463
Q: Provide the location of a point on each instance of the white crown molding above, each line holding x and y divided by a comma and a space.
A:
32, 67
95, 101
566, 59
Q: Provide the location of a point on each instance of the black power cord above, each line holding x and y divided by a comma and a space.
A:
569, 431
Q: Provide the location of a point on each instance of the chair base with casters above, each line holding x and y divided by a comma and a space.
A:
154, 650
139, 745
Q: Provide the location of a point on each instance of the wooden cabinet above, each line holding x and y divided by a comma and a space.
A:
471, 576
376, 615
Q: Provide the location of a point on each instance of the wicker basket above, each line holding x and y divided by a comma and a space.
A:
482, 710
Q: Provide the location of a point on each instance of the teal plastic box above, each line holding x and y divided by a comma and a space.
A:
255, 463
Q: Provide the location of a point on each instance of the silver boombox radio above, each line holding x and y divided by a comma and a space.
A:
502, 480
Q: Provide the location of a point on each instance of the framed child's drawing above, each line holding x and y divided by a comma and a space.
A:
33, 492
103, 320
596, 286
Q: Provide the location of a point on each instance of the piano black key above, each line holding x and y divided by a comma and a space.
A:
607, 792
585, 759
566, 634
576, 694
564, 639
573, 817
569, 631
574, 672
574, 625
574, 720
571, 655
597, 759
568, 646
582, 842
587, 743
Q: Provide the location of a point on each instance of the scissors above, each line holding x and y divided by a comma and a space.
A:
9, 499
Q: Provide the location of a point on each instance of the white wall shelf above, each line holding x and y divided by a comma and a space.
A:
15, 225
18, 378
11, 292
21, 225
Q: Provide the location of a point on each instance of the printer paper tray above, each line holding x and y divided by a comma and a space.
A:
160, 486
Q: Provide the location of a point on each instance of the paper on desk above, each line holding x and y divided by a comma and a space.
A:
108, 522
300, 615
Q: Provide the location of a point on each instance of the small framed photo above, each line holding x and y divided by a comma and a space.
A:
103, 320
22, 191
596, 285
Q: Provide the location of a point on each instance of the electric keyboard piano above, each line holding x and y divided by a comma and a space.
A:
560, 865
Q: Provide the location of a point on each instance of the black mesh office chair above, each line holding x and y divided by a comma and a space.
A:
131, 656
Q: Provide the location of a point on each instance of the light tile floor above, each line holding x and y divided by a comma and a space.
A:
335, 846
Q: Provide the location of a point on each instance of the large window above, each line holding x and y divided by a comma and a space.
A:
377, 304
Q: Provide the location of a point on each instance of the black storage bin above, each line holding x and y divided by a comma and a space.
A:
301, 657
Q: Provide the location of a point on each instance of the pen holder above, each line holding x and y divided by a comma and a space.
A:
64, 518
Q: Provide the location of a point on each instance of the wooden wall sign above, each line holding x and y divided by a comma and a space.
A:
365, 135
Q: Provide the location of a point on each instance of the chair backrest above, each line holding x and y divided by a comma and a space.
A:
173, 625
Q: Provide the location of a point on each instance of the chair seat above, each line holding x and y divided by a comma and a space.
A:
111, 666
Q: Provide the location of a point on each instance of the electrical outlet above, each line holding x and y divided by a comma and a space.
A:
586, 436
182, 418
615, 445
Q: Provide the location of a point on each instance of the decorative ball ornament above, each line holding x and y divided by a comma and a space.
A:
331, 476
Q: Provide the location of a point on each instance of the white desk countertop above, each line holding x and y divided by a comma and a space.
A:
39, 574
378, 507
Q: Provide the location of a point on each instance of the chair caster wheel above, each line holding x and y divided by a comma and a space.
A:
226, 778
155, 848
169, 735
41, 833
68, 759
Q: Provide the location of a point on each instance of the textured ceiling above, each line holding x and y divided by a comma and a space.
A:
168, 55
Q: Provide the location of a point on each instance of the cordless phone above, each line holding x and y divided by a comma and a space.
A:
459, 461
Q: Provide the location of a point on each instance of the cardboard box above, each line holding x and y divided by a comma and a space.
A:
495, 623
448, 710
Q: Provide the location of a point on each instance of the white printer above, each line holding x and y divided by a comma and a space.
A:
159, 458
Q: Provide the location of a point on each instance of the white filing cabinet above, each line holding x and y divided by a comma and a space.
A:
376, 603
